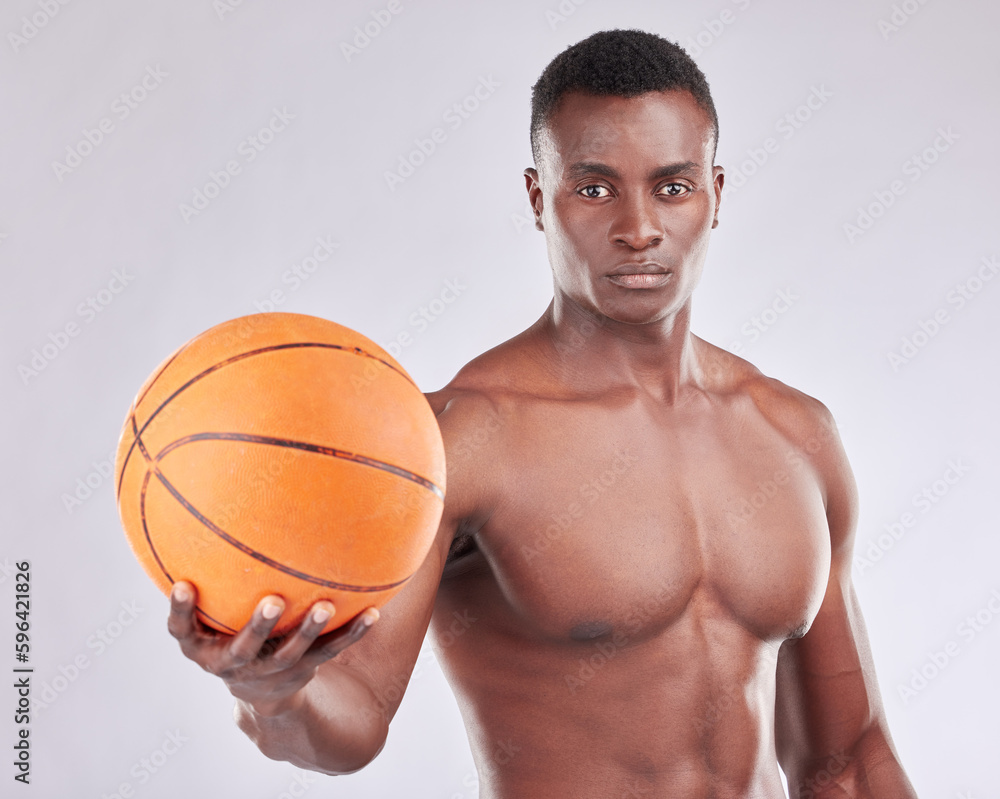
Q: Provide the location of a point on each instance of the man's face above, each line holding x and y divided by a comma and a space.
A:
627, 196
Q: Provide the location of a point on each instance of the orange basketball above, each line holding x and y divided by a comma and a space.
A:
280, 454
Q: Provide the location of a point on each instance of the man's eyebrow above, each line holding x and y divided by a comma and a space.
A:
680, 169
581, 168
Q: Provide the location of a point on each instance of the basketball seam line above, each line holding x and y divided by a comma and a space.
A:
156, 377
247, 550
234, 359
364, 460
145, 530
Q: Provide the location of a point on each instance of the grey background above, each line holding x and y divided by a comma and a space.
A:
461, 216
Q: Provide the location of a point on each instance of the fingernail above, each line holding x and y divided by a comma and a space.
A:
371, 617
321, 615
270, 610
181, 594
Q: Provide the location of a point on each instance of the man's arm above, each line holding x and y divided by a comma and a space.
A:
325, 703
831, 732
337, 722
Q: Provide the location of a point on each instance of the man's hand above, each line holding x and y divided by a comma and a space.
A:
324, 702
267, 674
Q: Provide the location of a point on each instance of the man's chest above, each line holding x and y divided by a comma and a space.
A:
618, 520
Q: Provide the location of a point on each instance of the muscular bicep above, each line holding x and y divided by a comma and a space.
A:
827, 696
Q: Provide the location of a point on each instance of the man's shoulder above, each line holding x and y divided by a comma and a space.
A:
486, 383
475, 412
806, 424
798, 416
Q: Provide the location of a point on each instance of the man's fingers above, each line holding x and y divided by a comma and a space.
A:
246, 645
223, 654
296, 645
181, 623
335, 642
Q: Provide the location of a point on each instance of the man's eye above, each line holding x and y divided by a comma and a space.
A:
594, 191
675, 189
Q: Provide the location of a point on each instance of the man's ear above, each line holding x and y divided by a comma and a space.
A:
719, 179
534, 187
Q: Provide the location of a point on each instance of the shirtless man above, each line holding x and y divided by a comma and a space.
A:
641, 585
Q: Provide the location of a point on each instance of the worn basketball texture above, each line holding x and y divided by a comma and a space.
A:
280, 454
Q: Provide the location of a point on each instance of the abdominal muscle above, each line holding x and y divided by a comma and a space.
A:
683, 712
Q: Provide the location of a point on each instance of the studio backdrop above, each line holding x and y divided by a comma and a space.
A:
170, 165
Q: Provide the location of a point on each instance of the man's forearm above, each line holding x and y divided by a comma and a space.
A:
333, 725
868, 770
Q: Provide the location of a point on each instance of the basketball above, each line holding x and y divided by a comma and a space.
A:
280, 454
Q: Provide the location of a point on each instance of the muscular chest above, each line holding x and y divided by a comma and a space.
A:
620, 519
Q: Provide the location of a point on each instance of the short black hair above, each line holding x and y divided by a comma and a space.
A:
618, 63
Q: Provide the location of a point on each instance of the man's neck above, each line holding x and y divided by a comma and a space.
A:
659, 357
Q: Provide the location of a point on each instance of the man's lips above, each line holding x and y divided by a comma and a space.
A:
651, 280
645, 275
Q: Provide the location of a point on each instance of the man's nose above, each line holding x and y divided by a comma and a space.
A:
637, 223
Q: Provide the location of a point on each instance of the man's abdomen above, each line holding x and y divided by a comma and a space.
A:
685, 712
